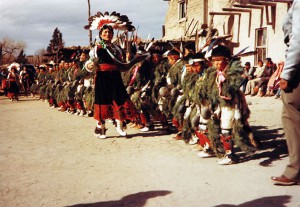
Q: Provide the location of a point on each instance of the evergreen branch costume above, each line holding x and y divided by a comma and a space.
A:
228, 96
175, 72
160, 74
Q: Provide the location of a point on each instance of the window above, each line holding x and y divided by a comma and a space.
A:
261, 43
182, 9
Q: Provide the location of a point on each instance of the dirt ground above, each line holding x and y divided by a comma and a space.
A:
52, 159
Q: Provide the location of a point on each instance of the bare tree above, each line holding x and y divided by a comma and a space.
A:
38, 56
40, 52
10, 49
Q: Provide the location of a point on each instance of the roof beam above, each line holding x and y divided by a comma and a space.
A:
253, 7
224, 13
277, 1
242, 10
229, 14
265, 3
270, 8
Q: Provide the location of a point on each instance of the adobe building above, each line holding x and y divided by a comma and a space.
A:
255, 24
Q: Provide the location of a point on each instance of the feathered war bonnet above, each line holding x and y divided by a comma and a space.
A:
113, 20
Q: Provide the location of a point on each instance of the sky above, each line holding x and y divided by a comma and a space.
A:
33, 21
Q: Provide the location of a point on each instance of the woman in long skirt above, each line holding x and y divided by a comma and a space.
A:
13, 84
111, 98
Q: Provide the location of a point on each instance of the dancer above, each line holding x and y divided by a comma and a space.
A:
13, 84
111, 99
228, 127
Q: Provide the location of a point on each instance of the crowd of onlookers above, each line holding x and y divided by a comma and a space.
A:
263, 79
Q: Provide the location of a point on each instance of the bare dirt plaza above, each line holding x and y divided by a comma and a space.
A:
52, 159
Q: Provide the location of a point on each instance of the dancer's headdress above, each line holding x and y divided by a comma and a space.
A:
115, 20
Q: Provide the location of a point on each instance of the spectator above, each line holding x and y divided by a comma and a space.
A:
250, 87
267, 73
277, 95
247, 75
3, 75
25, 80
273, 83
290, 86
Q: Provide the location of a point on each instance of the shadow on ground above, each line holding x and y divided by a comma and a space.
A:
134, 200
272, 145
272, 201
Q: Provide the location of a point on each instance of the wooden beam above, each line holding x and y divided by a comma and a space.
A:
196, 25
248, 6
224, 13
253, 7
272, 2
277, 1
242, 10
265, 3
229, 14
237, 10
270, 13
186, 31
283, 1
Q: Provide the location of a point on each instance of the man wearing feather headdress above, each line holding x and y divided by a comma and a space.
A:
111, 100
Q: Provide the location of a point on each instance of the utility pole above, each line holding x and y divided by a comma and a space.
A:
0, 53
90, 32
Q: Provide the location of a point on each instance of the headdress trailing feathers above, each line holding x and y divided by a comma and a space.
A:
115, 20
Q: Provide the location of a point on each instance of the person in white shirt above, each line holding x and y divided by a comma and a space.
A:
250, 87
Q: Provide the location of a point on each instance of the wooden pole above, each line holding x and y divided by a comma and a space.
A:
188, 27
90, 32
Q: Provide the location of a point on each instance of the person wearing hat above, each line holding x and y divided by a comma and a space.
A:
142, 82
185, 107
34, 86
252, 84
85, 79
161, 72
25, 80
176, 70
228, 125
168, 80
175, 65
41, 81
246, 75
50, 66
81, 72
